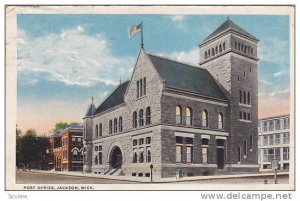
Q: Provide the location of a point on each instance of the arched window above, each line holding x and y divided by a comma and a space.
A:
220, 48
134, 119
248, 98
134, 160
245, 97
213, 52
224, 46
149, 156
245, 49
204, 118
239, 46
120, 124
75, 152
141, 117
96, 131
141, 158
251, 51
178, 115
148, 116
208, 53
110, 126
242, 47
189, 116
235, 45
248, 49
115, 125
205, 55
138, 89
96, 160
220, 121
216, 49
100, 129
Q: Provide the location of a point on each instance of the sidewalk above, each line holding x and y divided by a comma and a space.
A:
159, 180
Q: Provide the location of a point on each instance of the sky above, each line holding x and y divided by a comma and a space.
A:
64, 60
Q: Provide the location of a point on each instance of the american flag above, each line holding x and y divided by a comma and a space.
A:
134, 29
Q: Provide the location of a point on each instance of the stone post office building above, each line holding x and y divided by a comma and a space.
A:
199, 119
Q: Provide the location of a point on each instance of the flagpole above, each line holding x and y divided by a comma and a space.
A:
142, 42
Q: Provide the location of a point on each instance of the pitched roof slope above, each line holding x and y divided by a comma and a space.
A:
228, 25
187, 77
91, 110
114, 99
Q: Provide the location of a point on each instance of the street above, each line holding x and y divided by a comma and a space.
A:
26, 177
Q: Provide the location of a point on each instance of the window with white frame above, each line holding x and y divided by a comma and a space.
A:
204, 149
178, 115
179, 146
220, 121
189, 116
204, 118
286, 139
271, 139
277, 138
286, 152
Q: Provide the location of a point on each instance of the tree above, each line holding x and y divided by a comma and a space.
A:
60, 125
31, 149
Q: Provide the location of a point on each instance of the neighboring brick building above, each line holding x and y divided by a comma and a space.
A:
66, 153
199, 119
274, 142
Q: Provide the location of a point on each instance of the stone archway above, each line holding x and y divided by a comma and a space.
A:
116, 158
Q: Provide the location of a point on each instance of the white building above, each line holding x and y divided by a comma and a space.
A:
274, 142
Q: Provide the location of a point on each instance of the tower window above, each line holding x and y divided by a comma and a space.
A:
213, 51
241, 96
120, 124
216, 49
220, 121
189, 116
239, 154
220, 48
144, 85
141, 87
138, 89
248, 98
141, 118
148, 116
224, 46
245, 97
208, 53
100, 130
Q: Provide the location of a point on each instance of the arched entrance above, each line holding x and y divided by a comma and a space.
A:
116, 158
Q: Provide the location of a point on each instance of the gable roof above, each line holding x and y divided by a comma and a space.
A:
186, 77
229, 25
114, 99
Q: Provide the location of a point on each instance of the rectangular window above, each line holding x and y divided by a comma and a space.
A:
189, 154
244, 116
277, 124
265, 141
141, 87
277, 138
148, 140
179, 140
189, 140
286, 152
277, 154
205, 141
270, 155
271, 139
239, 154
141, 141
204, 154
265, 126
265, 155
178, 154
144, 86
134, 142
241, 115
248, 117
100, 157
286, 139
137, 89
271, 125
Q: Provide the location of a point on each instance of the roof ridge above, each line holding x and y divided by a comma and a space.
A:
180, 62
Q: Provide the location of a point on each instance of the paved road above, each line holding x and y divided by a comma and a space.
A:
44, 178
24, 177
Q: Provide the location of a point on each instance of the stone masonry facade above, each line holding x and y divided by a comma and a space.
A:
170, 125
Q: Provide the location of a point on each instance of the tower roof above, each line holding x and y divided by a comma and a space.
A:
228, 25
91, 110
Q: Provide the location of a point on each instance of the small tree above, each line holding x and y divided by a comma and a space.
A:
60, 125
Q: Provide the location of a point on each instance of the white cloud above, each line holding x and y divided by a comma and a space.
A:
191, 56
177, 18
179, 21
276, 94
73, 57
274, 50
279, 73
265, 82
